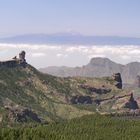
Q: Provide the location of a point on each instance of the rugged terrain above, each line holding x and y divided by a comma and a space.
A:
27, 95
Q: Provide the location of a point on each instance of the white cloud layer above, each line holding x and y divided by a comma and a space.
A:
38, 54
47, 55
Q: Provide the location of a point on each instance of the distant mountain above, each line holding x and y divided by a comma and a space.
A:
99, 67
69, 38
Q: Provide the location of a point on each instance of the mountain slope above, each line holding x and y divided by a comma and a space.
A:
43, 94
26, 95
99, 67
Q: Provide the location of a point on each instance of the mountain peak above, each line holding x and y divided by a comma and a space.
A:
100, 60
100, 67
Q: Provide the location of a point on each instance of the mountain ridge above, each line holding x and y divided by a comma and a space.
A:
71, 39
98, 67
28, 95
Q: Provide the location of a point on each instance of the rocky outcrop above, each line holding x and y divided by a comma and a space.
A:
21, 61
117, 78
17, 113
81, 100
132, 104
22, 115
102, 90
25, 114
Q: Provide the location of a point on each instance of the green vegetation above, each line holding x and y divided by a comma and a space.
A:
49, 96
93, 127
37, 106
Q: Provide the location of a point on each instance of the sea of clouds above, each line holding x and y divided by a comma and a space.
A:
77, 55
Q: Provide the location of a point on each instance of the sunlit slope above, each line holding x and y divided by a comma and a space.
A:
50, 98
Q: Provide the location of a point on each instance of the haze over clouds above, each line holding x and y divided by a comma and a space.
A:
58, 55
77, 17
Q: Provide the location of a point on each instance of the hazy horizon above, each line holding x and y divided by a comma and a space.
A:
67, 55
91, 17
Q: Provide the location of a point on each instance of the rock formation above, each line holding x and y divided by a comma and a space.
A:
17, 113
21, 61
22, 56
131, 104
118, 79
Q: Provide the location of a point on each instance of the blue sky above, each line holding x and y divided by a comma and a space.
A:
92, 17
87, 17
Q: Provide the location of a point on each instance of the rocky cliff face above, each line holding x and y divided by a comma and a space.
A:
93, 98
130, 102
118, 79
